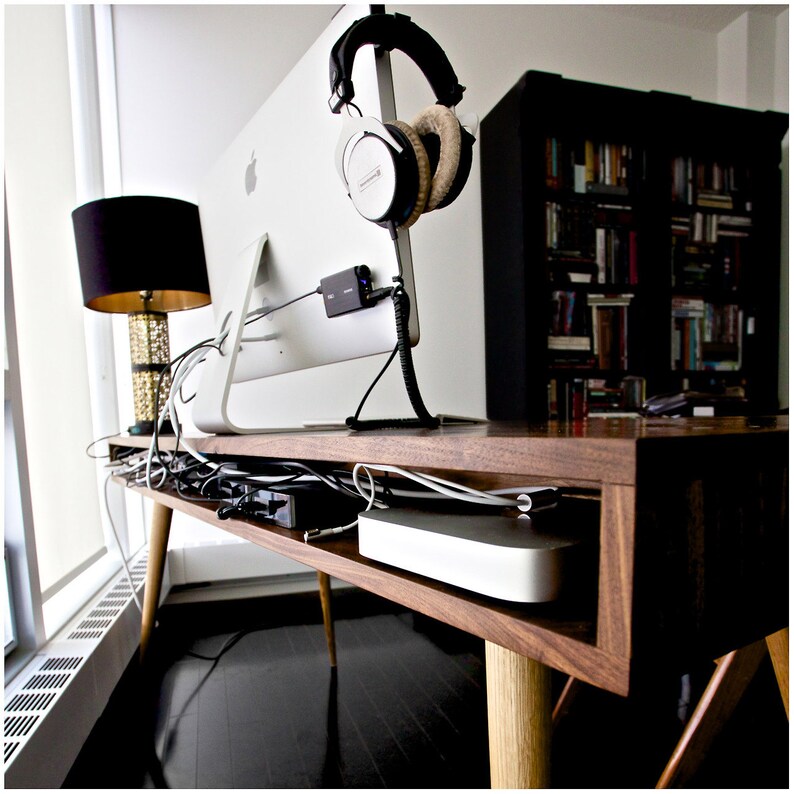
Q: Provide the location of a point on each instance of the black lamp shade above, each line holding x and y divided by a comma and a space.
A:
131, 244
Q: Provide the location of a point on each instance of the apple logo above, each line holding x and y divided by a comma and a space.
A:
250, 175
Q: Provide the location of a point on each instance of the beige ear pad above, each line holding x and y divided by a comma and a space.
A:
423, 165
441, 121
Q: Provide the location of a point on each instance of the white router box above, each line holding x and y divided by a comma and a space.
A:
496, 556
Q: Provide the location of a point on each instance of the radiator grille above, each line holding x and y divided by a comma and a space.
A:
29, 704
22, 713
101, 617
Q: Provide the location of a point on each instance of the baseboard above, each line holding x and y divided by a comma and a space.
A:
248, 588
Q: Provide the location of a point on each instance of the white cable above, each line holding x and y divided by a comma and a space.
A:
184, 368
442, 488
449, 489
415, 494
118, 545
314, 534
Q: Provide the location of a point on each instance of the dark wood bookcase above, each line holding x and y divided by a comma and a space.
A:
631, 247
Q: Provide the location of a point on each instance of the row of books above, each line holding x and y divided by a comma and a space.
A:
709, 227
705, 336
578, 398
711, 263
591, 243
589, 331
589, 166
616, 256
708, 183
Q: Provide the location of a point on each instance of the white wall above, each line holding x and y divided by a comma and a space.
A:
190, 76
490, 47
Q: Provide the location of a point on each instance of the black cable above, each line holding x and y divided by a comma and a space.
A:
228, 645
402, 308
402, 311
372, 385
331, 481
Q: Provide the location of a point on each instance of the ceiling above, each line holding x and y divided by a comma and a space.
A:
710, 18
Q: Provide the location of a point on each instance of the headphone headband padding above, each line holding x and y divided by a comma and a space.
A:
441, 121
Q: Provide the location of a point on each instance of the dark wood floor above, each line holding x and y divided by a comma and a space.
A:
405, 709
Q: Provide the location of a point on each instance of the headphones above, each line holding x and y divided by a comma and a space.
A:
394, 172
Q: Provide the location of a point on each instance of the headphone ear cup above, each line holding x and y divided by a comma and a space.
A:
464, 168
382, 180
441, 135
423, 169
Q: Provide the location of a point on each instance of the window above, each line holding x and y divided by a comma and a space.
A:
61, 548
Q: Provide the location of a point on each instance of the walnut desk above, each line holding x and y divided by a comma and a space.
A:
690, 560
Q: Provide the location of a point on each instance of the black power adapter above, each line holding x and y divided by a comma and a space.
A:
347, 291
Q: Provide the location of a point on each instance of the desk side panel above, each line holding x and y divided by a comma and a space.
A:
711, 546
616, 569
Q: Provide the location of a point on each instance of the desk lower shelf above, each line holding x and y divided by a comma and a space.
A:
550, 633
692, 534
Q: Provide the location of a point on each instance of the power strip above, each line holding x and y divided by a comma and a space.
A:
294, 506
497, 556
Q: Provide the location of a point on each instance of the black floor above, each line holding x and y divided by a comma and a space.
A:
406, 709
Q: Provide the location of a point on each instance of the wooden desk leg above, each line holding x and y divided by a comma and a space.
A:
519, 719
778, 651
721, 696
328, 620
565, 700
158, 544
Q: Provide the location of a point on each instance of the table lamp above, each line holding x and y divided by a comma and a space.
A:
142, 256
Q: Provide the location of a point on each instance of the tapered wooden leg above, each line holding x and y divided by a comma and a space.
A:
158, 544
565, 700
519, 719
328, 620
725, 688
778, 651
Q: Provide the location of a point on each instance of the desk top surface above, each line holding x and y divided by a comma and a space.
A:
599, 449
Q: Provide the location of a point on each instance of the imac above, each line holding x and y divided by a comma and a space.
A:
276, 221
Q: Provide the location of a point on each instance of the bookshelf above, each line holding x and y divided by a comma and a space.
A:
631, 247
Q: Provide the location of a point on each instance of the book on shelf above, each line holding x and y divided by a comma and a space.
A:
569, 343
604, 299
568, 314
603, 398
566, 399
708, 253
589, 166
596, 240
569, 228
610, 329
705, 336
616, 255
713, 198
577, 398
687, 306
708, 183
685, 344
568, 268
606, 189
